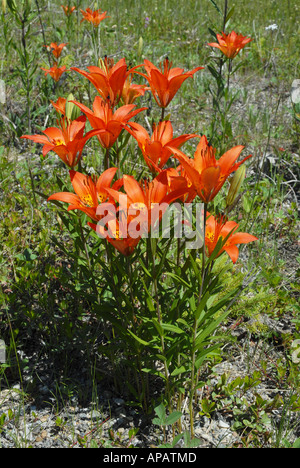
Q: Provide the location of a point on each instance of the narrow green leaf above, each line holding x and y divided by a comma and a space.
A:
179, 370
209, 329
158, 327
154, 372
216, 7
202, 305
212, 33
143, 342
229, 14
177, 278
205, 353
162, 262
172, 328
144, 268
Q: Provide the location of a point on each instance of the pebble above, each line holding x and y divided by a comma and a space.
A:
223, 425
95, 415
119, 401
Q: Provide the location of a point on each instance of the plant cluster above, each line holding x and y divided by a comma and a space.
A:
169, 328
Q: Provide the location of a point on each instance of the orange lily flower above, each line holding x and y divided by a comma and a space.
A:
68, 10
125, 245
55, 48
125, 230
67, 141
109, 80
220, 228
154, 148
93, 17
132, 91
111, 123
178, 179
89, 193
206, 173
149, 198
166, 81
60, 105
230, 44
55, 72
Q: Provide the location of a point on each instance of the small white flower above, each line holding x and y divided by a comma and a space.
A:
272, 27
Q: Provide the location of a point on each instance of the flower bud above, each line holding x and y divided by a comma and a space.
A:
4, 6
235, 184
72, 111
140, 46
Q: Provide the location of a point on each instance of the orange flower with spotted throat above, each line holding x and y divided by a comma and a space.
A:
217, 229
230, 44
89, 193
206, 173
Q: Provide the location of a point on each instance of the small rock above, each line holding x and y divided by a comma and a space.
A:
223, 425
119, 401
95, 414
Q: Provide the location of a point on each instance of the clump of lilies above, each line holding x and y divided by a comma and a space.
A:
112, 112
123, 208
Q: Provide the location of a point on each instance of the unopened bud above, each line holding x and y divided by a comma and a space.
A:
140, 46
4, 6
101, 64
235, 184
72, 111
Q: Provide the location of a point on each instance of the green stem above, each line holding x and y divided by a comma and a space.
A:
43, 30
118, 159
224, 27
225, 15
88, 260
159, 319
203, 254
195, 326
229, 74
106, 159
142, 392
25, 56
